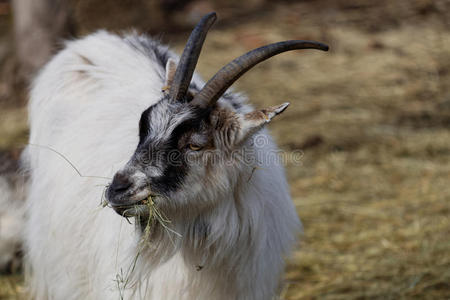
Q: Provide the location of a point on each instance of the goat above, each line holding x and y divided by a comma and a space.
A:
230, 226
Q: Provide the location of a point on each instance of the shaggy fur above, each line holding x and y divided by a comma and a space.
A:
231, 224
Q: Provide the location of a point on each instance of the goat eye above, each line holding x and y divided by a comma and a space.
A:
194, 147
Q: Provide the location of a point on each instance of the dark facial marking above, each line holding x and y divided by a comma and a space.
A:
144, 127
170, 153
176, 165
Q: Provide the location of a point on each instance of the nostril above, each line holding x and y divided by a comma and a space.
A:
120, 183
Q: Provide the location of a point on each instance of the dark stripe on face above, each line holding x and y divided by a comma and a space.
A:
144, 125
176, 165
169, 153
172, 178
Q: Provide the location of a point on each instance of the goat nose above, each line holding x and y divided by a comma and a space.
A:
120, 183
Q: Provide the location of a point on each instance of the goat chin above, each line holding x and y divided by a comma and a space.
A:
86, 104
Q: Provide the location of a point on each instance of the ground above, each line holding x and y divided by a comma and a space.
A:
371, 118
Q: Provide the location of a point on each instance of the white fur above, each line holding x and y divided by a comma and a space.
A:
86, 104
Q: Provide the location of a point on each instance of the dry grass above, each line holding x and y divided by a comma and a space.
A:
372, 118
13, 128
11, 287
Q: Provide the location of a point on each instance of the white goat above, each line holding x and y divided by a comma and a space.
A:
230, 225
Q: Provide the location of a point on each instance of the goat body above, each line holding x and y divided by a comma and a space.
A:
86, 104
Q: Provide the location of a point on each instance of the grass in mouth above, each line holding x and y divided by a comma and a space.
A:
148, 212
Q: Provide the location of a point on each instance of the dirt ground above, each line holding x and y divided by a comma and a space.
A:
372, 119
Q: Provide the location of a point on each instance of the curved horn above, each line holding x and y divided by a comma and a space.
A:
226, 76
188, 60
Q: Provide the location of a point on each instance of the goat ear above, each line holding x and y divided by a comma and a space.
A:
255, 120
171, 67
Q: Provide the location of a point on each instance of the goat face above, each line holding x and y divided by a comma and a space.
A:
185, 152
187, 142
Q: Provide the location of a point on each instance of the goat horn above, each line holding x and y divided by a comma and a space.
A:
188, 60
226, 76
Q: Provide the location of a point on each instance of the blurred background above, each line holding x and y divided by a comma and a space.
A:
371, 117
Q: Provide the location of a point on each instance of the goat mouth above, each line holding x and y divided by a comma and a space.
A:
139, 209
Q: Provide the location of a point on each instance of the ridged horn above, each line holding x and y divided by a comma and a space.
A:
189, 58
226, 76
